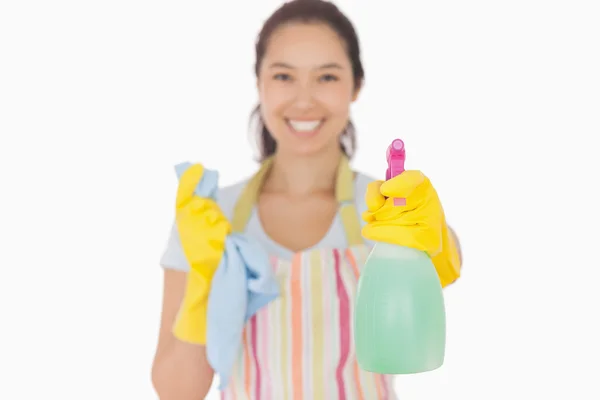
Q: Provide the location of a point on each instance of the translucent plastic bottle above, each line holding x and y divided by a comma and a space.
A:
400, 318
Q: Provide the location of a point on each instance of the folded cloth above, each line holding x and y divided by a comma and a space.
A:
243, 283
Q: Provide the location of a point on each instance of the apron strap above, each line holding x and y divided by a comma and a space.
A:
344, 192
249, 197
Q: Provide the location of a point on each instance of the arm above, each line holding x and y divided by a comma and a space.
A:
449, 262
180, 370
457, 243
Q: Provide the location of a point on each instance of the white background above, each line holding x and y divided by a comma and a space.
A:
498, 103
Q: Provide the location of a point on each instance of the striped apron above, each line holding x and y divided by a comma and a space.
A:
301, 346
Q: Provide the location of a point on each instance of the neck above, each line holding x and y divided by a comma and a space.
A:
302, 175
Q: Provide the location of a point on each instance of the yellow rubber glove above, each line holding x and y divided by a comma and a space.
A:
202, 230
419, 224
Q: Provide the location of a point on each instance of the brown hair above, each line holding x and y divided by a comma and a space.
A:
308, 11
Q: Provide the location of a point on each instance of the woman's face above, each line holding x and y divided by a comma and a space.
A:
306, 87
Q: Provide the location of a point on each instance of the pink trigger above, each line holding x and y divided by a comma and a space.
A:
396, 156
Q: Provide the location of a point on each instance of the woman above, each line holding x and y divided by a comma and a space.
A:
305, 211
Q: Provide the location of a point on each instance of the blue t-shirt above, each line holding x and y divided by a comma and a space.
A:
227, 197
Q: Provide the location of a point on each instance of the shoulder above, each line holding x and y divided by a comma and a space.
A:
361, 181
227, 197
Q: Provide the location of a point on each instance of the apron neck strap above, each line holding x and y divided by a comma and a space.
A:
344, 193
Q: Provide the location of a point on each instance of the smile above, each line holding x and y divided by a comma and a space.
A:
305, 128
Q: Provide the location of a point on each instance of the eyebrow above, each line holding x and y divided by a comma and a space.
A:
288, 66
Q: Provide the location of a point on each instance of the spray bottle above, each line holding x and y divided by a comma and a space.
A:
400, 319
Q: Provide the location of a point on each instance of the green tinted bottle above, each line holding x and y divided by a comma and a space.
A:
400, 319
399, 316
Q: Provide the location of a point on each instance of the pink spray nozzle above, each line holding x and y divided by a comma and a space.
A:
395, 159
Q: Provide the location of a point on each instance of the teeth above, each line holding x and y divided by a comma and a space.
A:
305, 126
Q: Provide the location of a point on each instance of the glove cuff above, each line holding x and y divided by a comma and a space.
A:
190, 323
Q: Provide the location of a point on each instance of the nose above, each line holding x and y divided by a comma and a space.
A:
304, 95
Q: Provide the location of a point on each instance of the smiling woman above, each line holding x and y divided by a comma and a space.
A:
305, 89
304, 208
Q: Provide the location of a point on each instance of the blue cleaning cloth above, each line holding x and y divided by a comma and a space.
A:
208, 185
243, 283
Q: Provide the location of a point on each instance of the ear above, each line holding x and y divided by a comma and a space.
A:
357, 91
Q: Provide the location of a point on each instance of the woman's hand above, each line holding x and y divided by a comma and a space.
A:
202, 230
419, 221
417, 224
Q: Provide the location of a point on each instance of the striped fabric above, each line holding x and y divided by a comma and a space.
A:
301, 345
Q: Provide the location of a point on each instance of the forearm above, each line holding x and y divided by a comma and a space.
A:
457, 243
181, 372
449, 261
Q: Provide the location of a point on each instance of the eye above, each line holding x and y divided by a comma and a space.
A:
328, 78
282, 77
